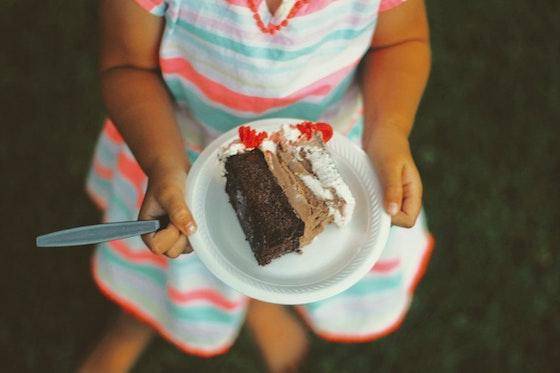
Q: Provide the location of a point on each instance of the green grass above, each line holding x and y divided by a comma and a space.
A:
485, 140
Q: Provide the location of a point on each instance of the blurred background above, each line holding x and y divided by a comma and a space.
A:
486, 141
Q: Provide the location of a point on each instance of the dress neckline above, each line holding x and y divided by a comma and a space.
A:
272, 23
274, 13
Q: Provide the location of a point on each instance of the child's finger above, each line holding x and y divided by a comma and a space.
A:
391, 181
150, 210
412, 193
403, 220
163, 240
178, 248
174, 203
412, 198
188, 248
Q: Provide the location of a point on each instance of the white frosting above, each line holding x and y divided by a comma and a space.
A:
329, 178
291, 133
268, 145
339, 220
232, 149
315, 186
348, 210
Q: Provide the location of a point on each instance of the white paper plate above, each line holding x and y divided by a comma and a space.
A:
334, 261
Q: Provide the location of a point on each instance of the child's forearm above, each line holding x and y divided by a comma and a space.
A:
141, 108
393, 80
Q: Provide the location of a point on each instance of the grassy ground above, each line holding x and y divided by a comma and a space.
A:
485, 140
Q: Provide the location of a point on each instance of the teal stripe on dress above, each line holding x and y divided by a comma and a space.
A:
106, 151
192, 155
126, 191
214, 9
208, 51
107, 158
271, 53
357, 130
159, 10
205, 314
376, 284
221, 120
99, 185
366, 286
119, 211
155, 274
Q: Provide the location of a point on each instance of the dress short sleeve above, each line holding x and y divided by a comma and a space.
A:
156, 7
389, 4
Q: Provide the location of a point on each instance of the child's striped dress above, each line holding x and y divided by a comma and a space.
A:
227, 62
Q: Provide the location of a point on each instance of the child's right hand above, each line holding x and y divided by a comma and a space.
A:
165, 195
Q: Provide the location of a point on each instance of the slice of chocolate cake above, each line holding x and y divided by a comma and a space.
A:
270, 223
284, 187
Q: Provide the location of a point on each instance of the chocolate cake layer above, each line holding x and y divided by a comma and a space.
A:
269, 222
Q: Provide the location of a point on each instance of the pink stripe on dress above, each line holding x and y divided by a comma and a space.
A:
149, 4
112, 133
210, 295
131, 171
385, 266
242, 3
223, 95
314, 6
389, 4
140, 256
103, 172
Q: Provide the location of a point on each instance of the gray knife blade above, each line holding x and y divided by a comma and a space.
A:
91, 234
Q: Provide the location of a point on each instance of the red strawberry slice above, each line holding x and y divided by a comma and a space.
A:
250, 138
309, 128
306, 128
326, 130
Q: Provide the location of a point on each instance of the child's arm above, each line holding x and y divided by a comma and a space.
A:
141, 108
394, 76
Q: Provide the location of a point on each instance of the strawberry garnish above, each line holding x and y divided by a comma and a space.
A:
307, 130
326, 130
250, 138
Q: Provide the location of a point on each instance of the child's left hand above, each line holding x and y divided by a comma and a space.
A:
402, 187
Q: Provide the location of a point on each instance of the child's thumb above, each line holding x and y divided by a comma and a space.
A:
391, 180
179, 214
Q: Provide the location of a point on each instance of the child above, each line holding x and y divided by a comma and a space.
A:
177, 73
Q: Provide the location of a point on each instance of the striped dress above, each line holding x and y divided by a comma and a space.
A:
227, 62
